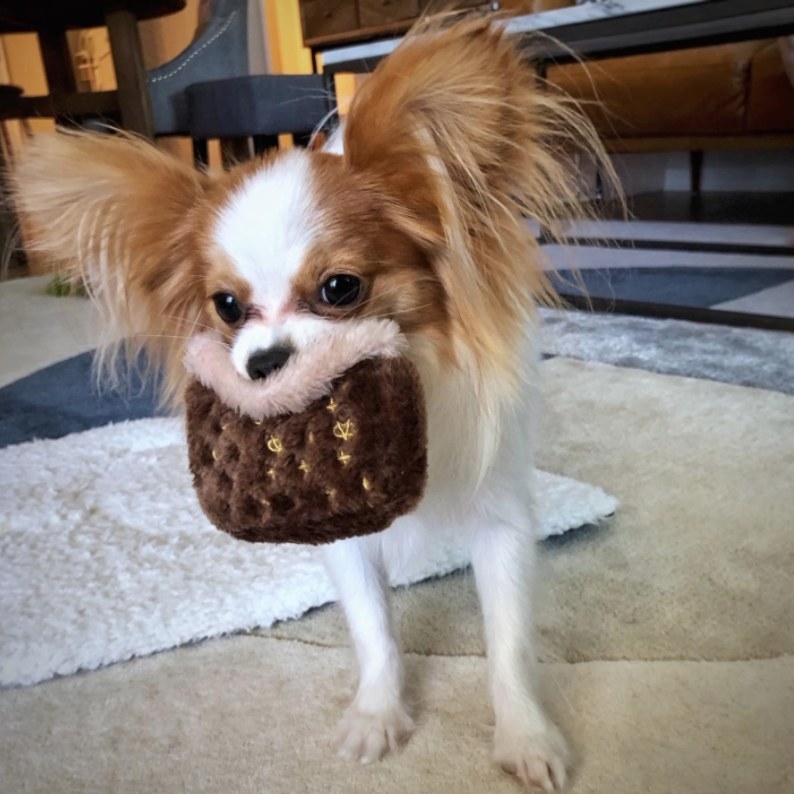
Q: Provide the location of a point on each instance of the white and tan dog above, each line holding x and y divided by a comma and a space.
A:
415, 214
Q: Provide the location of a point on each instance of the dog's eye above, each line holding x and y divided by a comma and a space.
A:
340, 290
229, 310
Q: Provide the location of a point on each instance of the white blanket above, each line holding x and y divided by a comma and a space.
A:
105, 553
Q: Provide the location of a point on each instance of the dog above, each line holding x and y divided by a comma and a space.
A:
415, 210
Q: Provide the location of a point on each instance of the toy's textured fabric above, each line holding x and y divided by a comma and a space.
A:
347, 465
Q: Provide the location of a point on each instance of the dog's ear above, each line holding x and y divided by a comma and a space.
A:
459, 131
116, 213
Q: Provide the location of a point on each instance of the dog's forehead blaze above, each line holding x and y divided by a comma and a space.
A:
260, 222
290, 220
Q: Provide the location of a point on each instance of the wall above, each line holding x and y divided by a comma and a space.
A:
289, 56
25, 69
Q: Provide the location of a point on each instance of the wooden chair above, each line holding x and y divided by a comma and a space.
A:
218, 87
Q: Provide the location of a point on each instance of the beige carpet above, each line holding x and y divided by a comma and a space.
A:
44, 329
667, 636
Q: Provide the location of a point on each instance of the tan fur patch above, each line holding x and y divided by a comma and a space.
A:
357, 237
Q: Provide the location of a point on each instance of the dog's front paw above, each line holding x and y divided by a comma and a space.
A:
536, 758
366, 736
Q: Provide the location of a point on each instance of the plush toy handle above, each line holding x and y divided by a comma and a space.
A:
308, 375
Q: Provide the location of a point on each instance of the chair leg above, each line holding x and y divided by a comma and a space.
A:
264, 142
133, 94
599, 186
12, 254
695, 172
201, 156
57, 60
235, 150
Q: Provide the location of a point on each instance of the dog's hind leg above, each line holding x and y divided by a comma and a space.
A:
376, 720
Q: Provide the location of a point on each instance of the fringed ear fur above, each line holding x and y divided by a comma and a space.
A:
469, 144
114, 212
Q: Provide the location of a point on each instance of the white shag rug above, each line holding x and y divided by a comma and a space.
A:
105, 553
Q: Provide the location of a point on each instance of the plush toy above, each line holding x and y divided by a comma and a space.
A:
330, 446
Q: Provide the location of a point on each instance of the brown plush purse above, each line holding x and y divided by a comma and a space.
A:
347, 464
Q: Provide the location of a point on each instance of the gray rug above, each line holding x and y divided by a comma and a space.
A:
62, 398
702, 286
742, 356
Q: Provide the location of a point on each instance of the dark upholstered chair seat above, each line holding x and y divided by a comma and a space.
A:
257, 105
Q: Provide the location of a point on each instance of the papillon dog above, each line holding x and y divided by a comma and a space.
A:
415, 210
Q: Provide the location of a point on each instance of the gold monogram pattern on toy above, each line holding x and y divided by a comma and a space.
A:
348, 465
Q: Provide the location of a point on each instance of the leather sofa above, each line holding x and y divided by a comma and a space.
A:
728, 96
724, 97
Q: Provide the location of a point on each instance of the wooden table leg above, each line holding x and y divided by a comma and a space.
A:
133, 91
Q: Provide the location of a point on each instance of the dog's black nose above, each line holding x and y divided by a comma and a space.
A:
266, 362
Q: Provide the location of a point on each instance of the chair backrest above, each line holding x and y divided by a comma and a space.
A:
231, 42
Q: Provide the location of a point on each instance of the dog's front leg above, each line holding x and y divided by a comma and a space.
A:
376, 720
526, 743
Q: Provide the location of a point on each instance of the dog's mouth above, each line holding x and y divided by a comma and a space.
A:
301, 377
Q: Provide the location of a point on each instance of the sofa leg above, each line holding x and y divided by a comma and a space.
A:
695, 171
599, 186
